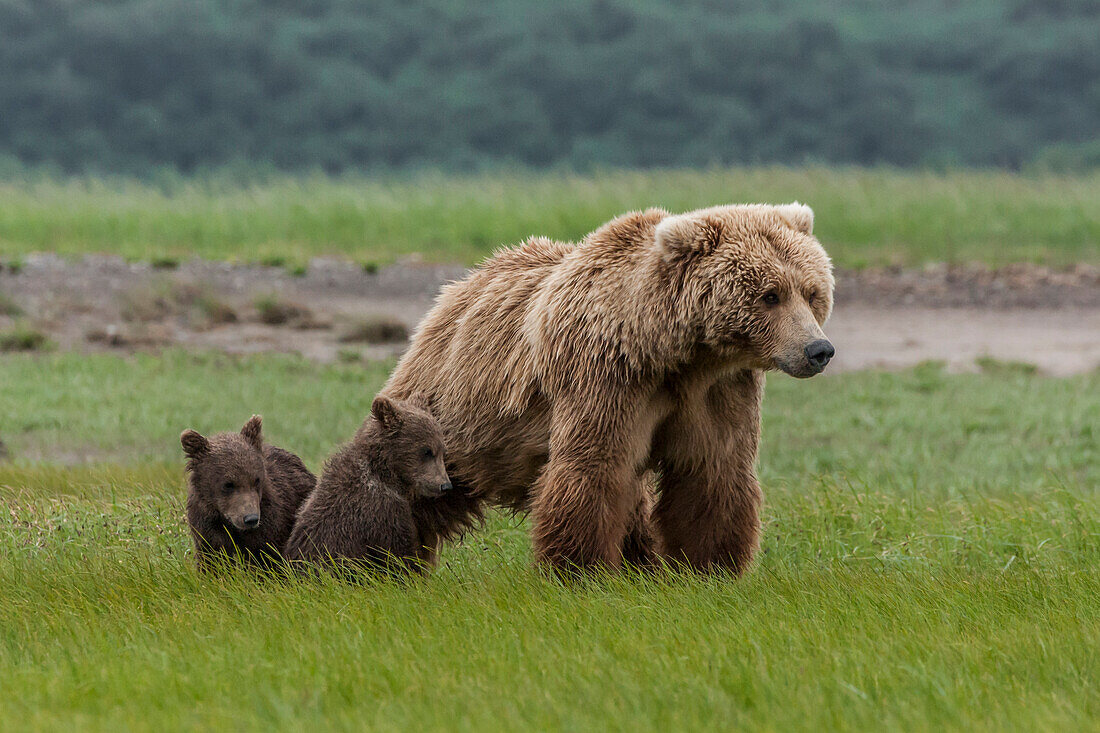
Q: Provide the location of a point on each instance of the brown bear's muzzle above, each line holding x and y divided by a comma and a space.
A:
812, 361
243, 511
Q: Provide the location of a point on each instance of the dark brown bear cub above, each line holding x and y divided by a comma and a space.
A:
242, 495
384, 500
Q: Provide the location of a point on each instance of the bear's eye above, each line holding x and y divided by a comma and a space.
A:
229, 486
427, 454
811, 297
771, 298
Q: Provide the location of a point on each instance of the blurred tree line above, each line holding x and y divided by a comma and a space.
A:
135, 85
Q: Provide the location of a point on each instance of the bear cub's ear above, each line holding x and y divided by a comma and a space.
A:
253, 432
684, 235
385, 412
194, 445
420, 401
799, 216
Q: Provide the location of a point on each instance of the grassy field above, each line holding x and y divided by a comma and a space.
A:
930, 561
864, 217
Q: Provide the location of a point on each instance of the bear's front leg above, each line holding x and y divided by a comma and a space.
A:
212, 545
710, 519
642, 545
708, 513
587, 494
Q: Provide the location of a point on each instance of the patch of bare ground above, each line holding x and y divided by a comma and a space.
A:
1018, 286
888, 318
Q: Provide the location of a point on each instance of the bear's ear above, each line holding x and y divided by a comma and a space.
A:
385, 412
420, 401
685, 236
799, 216
194, 445
253, 432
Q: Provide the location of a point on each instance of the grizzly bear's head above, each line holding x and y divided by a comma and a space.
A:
409, 445
758, 283
227, 473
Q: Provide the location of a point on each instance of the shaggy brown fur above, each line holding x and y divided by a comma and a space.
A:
562, 374
384, 499
234, 480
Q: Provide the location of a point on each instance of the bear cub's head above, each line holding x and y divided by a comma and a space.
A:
411, 445
228, 474
758, 283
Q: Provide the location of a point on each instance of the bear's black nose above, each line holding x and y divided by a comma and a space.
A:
251, 520
819, 352
445, 487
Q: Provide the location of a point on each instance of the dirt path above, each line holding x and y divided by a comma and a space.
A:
883, 318
1058, 342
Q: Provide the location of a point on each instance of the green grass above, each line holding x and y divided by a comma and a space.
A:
78, 407
864, 217
930, 561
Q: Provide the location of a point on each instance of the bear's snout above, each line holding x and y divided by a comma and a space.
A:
808, 361
818, 353
434, 490
251, 521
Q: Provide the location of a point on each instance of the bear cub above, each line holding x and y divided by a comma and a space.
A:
242, 495
377, 503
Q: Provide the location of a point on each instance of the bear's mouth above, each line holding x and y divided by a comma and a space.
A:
241, 526
800, 368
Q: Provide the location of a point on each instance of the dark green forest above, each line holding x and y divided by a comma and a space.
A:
133, 86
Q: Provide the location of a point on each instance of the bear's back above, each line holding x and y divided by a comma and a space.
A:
351, 514
289, 476
481, 318
534, 254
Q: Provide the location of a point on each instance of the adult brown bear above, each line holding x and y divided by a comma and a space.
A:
565, 376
